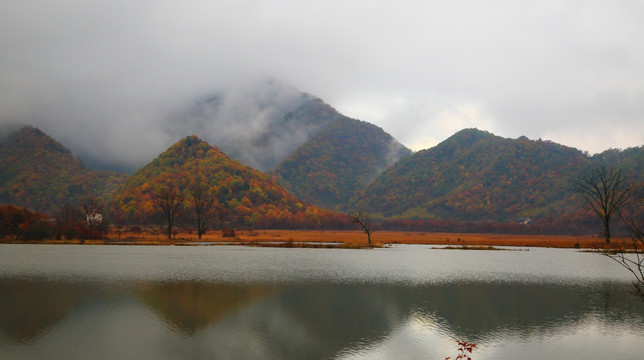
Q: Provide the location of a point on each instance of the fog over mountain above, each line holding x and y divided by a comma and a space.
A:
235, 119
238, 119
116, 81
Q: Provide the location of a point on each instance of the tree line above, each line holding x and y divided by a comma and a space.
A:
80, 221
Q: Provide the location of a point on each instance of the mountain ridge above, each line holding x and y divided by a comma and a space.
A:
477, 176
247, 197
39, 173
338, 161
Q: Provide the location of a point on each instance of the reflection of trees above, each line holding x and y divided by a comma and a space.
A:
296, 321
474, 311
339, 316
29, 307
318, 320
190, 306
321, 320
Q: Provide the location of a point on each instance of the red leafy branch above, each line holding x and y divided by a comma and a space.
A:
464, 351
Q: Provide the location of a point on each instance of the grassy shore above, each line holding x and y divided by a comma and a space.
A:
346, 239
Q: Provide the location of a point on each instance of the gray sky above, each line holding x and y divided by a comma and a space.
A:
100, 75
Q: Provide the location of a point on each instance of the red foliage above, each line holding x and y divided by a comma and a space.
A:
243, 197
464, 351
24, 224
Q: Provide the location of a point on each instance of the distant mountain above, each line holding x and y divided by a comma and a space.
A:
265, 149
338, 161
477, 176
247, 196
39, 173
259, 124
631, 160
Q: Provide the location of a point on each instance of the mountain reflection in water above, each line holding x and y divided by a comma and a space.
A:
404, 302
194, 319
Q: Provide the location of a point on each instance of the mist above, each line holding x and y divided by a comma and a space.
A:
118, 82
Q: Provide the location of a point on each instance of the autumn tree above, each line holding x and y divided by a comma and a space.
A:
169, 202
605, 192
203, 205
67, 219
364, 220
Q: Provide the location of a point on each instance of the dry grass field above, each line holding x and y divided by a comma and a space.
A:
355, 239
343, 239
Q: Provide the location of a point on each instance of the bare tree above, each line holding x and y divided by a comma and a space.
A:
605, 192
632, 261
203, 205
364, 220
92, 210
170, 203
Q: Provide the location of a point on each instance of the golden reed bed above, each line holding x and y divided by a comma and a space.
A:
348, 238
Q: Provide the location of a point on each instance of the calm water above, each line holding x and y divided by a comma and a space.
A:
405, 302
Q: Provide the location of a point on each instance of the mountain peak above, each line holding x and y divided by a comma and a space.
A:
39, 173
247, 196
471, 135
476, 175
31, 138
338, 161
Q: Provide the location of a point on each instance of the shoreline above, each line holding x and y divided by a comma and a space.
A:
343, 239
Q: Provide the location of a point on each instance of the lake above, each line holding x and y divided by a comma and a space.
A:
229, 302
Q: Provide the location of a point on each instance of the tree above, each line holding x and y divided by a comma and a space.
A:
605, 192
170, 203
364, 220
203, 205
93, 211
222, 213
67, 222
632, 261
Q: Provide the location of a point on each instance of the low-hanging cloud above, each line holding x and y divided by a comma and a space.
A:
108, 79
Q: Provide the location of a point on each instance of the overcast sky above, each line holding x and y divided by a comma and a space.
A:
100, 74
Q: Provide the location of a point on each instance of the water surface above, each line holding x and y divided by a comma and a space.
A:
224, 302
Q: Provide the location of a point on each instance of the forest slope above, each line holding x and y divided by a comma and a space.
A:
340, 160
244, 196
39, 173
477, 176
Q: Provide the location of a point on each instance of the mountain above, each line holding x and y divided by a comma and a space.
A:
259, 124
631, 162
338, 161
246, 196
267, 148
477, 176
39, 173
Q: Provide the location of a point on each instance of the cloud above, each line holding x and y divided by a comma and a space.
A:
106, 77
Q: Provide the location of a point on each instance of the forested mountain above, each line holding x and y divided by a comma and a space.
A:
259, 125
244, 196
265, 149
37, 172
262, 125
477, 176
631, 160
338, 161
473, 176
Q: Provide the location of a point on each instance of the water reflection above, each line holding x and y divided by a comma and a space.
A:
319, 320
29, 307
191, 306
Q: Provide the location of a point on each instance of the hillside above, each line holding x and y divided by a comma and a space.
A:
340, 160
246, 196
477, 176
266, 148
39, 173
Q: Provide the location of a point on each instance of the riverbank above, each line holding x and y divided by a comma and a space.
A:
343, 239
